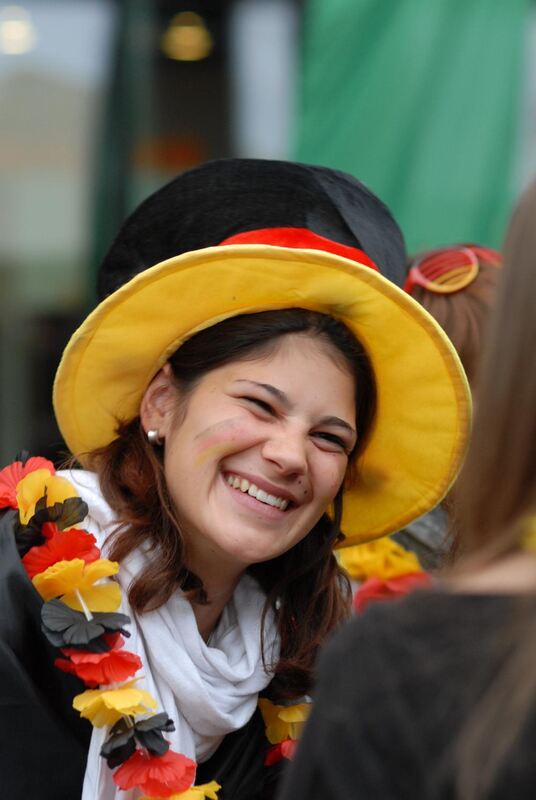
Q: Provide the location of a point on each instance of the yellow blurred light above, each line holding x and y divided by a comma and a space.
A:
17, 33
187, 38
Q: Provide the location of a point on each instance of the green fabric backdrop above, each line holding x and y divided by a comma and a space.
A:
420, 99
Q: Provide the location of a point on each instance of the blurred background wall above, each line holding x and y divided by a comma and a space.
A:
433, 104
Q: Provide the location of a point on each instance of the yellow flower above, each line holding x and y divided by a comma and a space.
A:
382, 558
209, 790
283, 722
65, 578
105, 706
35, 485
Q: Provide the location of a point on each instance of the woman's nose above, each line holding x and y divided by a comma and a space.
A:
287, 452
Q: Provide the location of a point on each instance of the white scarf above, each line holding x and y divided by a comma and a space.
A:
208, 690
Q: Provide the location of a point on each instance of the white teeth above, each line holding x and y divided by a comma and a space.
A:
259, 494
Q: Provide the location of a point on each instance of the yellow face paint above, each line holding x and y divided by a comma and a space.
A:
219, 450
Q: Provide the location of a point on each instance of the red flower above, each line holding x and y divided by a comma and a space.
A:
62, 546
48, 529
159, 776
375, 589
284, 749
114, 641
96, 669
11, 476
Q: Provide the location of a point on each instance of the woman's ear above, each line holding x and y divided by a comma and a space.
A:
159, 403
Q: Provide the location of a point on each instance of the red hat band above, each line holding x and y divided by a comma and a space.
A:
301, 238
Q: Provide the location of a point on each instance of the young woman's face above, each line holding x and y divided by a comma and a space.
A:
260, 451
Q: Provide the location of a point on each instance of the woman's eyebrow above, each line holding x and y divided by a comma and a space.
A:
284, 400
277, 393
337, 421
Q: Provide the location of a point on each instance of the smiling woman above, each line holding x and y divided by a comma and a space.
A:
250, 414
255, 421
250, 393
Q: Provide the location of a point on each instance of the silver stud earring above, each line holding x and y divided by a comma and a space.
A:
154, 438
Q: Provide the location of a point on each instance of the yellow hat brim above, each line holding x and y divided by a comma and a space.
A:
423, 402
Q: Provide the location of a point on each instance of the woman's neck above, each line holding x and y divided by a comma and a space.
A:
208, 614
512, 574
219, 582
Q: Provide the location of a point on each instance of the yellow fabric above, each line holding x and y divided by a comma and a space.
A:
383, 558
413, 454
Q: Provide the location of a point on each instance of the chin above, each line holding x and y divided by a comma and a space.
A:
253, 556
244, 555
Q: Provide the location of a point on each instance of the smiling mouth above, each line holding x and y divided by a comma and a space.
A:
244, 486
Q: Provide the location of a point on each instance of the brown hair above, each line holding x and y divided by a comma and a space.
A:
496, 495
463, 315
502, 454
305, 587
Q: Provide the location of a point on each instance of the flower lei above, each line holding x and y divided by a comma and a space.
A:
284, 725
384, 569
79, 616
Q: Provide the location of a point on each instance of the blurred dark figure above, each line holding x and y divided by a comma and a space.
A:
435, 697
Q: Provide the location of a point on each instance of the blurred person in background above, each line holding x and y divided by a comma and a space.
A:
435, 698
249, 387
457, 285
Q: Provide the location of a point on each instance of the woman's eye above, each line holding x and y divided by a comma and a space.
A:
333, 439
260, 404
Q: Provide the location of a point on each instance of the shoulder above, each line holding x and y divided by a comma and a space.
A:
391, 693
19, 601
431, 612
411, 644
382, 626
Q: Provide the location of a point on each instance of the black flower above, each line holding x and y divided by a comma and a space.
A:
121, 743
64, 515
65, 627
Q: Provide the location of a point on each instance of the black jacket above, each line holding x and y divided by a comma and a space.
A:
43, 740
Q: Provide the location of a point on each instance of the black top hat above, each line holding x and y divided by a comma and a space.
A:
219, 199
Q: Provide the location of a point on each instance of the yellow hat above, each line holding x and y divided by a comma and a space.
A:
423, 402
